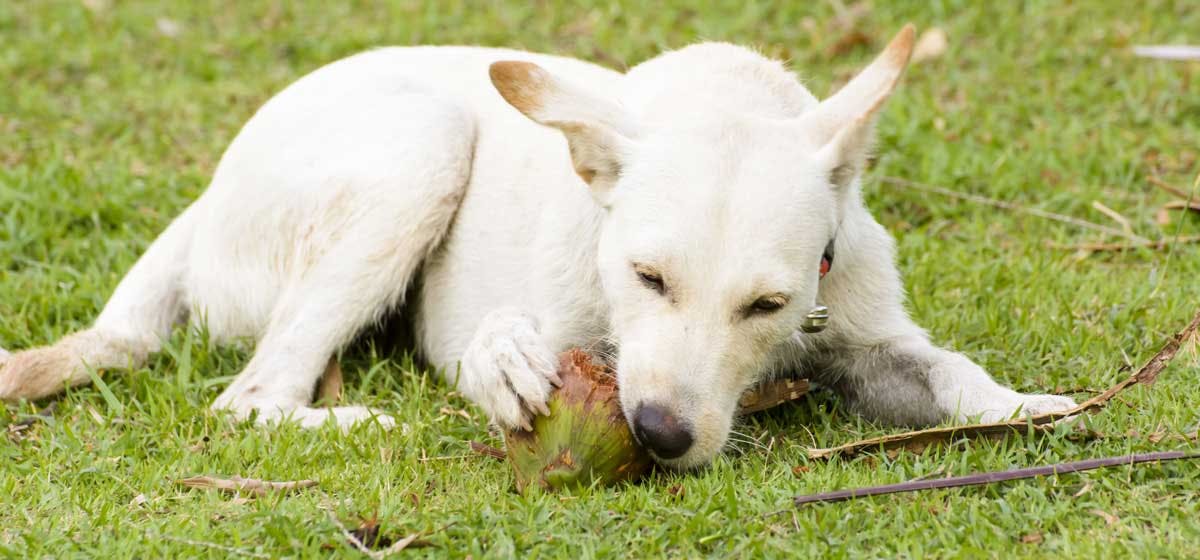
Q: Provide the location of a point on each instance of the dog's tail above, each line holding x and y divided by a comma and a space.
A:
147, 303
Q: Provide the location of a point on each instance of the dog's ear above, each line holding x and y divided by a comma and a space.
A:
598, 131
844, 124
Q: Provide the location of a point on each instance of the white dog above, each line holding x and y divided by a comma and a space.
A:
680, 216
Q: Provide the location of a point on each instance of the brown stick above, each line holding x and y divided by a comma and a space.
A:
1166, 187
980, 479
918, 440
238, 484
1011, 206
1156, 245
487, 450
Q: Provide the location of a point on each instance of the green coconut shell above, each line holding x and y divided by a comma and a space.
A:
584, 440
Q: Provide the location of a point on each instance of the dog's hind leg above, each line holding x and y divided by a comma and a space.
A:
147, 303
389, 203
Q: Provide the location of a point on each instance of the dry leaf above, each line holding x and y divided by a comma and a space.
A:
238, 484
845, 25
168, 27
447, 411
96, 6
770, 394
1109, 519
1033, 538
932, 44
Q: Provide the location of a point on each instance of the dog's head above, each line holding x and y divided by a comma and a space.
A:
713, 237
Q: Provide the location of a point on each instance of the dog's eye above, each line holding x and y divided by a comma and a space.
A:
768, 304
651, 279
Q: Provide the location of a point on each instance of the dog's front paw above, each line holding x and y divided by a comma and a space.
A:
508, 370
1029, 405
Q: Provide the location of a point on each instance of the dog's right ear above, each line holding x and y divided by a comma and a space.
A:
598, 131
844, 124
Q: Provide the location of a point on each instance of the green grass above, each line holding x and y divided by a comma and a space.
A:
109, 127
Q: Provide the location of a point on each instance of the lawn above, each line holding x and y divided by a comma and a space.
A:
115, 113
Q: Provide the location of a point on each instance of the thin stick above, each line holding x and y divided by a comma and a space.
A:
214, 546
1146, 375
980, 479
1115, 216
353, 540
1167, 187
1011, 206
1156, 245
238, 484
487, 450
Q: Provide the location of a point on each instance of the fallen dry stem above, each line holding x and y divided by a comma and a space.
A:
1014, 207
1167, 187
1156, 245
488, 451
919, 440
980, 479
230, 551
239, 485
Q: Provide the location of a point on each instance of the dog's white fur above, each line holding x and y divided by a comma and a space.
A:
710, 167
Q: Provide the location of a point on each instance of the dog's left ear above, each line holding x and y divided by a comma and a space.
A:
844, 124
598, 131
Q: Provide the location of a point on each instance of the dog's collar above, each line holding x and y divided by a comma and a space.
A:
827, 259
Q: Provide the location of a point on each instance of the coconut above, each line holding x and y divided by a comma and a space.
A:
585, 438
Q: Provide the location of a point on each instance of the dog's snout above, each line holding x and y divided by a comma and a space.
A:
662, 432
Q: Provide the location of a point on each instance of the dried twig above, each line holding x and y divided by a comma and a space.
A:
487, 450
15, 428
1167, 187
1156, 245
204, 544
918, 440
979, 479
1115, 216
351, 538
1168, 52
358, 544
237, 485
1011, 206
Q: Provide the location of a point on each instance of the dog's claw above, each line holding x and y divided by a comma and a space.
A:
508, 370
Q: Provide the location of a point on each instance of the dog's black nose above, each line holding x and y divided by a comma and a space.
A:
661, 431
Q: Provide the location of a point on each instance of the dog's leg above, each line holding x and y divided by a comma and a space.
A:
147, 303
883, 363
352, 284
909, 381
388, 194
508, 368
